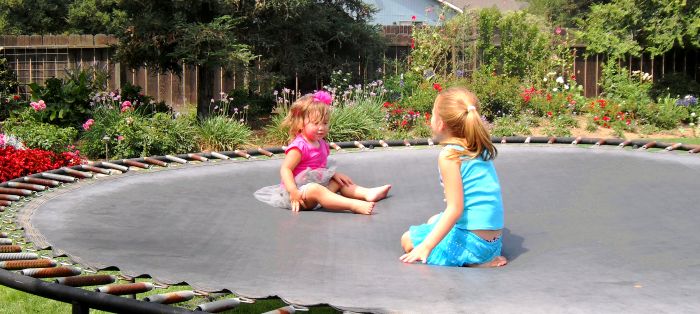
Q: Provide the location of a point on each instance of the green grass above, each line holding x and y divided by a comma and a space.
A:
685, 140
18, 302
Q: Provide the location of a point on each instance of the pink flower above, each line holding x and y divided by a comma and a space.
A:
413, 18
88, 124
126, 103
558, 30
324, 97
38, 106
120, 138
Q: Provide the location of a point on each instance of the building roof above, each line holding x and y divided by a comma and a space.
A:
503, 5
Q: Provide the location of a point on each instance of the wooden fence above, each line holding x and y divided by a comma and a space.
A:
36, 58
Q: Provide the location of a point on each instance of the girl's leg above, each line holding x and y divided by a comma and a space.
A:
406, 242
328, 199
360, 193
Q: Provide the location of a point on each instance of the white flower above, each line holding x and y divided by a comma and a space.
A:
566, 86
692, 114
544, 79
560, 80
555, 89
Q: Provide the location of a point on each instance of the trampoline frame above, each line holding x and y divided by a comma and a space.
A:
19, 189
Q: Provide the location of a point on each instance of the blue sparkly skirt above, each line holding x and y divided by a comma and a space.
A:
459, 247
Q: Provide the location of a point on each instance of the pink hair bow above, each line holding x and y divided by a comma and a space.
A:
324, 97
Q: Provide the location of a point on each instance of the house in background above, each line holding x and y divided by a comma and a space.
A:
400, 12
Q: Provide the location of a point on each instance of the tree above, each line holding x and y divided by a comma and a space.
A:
32, 16
95, 17
634, 26
562, 12
161, 34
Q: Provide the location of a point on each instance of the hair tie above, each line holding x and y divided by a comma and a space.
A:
324, 97
471, 108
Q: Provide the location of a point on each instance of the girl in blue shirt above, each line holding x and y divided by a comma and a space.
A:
468, 232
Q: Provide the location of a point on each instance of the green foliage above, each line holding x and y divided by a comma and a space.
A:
497, 93
35, 134
219, 133
8, 79
631, 90
422, 98
562, 12
558, 127
359, 121
524, 46
624, 27
19, 17
95, 17
676, 85
509, 126
665, 114
68, 100
127, 135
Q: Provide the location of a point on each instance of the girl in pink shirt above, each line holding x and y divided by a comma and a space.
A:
307, 181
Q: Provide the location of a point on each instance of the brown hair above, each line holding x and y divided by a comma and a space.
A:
465, 126
305, 107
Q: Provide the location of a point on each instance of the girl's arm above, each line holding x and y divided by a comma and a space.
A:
291, 160
454, 195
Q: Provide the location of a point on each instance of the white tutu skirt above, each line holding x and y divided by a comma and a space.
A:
277, 195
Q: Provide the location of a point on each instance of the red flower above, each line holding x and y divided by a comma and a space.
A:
404, 122
413, 43
387, 104
606, 118
602, 103
596, 118
549, 97
526, 97
628, 122
573, 77
549, 114
606, 125
15, 97
427, 117
437, 87
413, 18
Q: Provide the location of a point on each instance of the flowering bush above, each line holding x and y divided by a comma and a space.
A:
37, 134
21, 162
10, 140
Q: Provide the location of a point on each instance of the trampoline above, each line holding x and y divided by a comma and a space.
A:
587, 229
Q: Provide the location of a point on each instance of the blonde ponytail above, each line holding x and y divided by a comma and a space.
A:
458, 109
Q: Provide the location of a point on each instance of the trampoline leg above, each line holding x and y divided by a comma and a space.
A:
79, 308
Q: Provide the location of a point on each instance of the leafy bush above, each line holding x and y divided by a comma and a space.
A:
41, 135
557, 128
127, 135
219, 133
360, 121
631, 91
68, 100
497, 94
509, 126
8, 79
665, 114
675, 85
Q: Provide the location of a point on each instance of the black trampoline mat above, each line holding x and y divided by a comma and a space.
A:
587, 230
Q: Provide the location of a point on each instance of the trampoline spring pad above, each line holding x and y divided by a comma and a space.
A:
52, 272
129, 288
171, 297
10, 248
23, 264
89, 280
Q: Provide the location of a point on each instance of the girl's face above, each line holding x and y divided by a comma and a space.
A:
314, 129
436, 124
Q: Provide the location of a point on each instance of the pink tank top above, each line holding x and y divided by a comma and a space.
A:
311, 157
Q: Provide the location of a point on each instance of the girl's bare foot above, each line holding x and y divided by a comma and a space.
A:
362, 207
378, 193
498, 261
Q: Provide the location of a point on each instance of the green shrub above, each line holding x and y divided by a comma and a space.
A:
509, 126
558, 128
41, 135
630, 90
219, 133
274, 132
664, 115
497, 94
361, 121
68, 100
127, 135
675, 85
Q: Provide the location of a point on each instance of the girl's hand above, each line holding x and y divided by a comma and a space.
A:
342, 179
419, 253
296, 200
